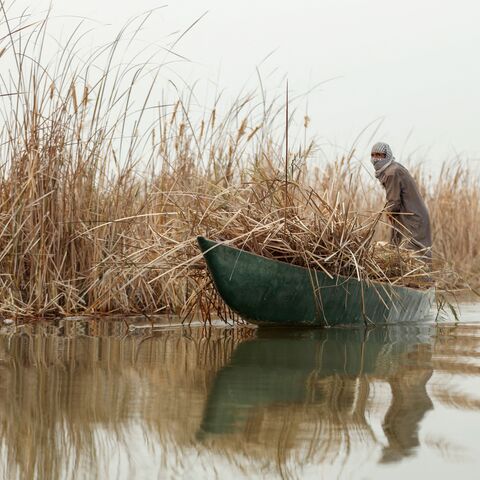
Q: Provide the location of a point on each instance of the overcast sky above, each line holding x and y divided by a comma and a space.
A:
413, 65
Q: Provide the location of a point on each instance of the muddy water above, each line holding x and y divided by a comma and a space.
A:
99, 400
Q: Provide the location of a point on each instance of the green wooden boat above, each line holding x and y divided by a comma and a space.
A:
274, 293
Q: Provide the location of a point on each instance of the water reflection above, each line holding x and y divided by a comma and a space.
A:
69, 401
326, 375
93, 400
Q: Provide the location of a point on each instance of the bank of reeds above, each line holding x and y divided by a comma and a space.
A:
103, 191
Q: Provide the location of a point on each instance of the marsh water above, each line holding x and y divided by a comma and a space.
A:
104, 399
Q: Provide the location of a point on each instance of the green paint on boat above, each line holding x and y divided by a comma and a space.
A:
270, 292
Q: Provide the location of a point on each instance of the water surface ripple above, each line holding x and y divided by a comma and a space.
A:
95, 400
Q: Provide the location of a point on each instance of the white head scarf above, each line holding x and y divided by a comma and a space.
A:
381, 164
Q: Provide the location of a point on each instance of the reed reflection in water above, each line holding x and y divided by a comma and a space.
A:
85, 400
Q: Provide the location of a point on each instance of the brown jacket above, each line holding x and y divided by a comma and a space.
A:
410, 217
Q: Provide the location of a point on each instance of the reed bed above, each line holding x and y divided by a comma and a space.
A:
101, 196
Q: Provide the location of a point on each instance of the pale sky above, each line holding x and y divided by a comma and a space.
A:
412, 65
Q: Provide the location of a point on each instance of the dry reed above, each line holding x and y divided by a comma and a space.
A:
100, 201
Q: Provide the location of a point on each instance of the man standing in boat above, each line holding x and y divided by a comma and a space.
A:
408, 213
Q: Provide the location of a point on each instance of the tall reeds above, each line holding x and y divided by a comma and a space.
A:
103, 189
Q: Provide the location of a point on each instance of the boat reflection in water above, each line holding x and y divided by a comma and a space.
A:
321, 382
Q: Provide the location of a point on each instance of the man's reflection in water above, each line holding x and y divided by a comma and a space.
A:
410, 402
321, 381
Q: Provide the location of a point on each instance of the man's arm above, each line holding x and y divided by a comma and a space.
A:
393, 189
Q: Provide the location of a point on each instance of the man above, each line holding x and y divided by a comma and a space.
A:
407, 210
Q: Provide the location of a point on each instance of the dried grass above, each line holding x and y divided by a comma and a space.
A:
100, 204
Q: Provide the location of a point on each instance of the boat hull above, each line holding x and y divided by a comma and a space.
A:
270, 292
